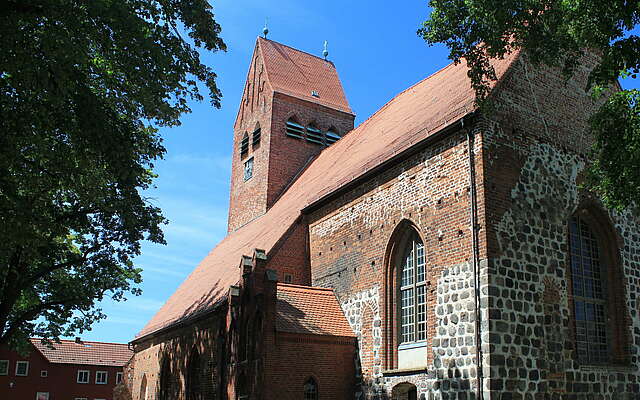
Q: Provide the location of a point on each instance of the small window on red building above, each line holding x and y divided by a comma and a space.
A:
44, 373
118, 377
288, 278
101, 377
83, 376
4, 367
22, 368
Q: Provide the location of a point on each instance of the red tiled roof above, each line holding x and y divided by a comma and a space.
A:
297, 74
418, 112
85, 353
310, 310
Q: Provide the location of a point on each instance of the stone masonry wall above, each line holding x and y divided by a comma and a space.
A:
535, 146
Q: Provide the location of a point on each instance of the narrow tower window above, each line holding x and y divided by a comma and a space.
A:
256, 136
244, 145
314, 135
332, 136
248, 169
294, 129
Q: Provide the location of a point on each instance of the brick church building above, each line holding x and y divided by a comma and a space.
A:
431, 251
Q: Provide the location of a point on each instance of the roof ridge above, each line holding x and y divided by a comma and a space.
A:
298, 50
82, 341
304, 287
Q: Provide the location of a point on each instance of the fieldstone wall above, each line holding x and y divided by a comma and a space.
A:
531, 326
453, 373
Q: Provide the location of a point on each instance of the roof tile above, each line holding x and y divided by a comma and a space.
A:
85, 353
310, 310
298, 74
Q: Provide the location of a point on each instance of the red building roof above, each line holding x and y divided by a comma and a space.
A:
299, 74
85, 353
422, 110
310, 310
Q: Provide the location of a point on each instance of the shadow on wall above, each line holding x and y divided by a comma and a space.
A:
191, 365
450, 386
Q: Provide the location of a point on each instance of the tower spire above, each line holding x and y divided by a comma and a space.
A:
265, 30
325, 52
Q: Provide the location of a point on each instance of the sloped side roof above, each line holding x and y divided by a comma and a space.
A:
420, 111
310, 310
85, 353
296, 73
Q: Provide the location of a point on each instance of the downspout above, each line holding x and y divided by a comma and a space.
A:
475, 258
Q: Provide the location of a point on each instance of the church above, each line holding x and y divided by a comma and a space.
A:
436, 251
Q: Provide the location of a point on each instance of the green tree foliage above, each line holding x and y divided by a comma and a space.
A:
556, 33
83, 87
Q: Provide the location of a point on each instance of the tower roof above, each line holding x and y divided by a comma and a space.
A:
299, 74
424, 109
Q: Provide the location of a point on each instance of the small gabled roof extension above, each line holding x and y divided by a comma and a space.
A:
311, 311
424, 109
85, 353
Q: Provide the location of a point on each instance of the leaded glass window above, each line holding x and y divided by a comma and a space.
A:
310, 390
193, 377
413, 293
589, 293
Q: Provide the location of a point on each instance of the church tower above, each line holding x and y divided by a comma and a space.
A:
293, 106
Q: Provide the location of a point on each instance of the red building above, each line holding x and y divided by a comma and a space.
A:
72, 370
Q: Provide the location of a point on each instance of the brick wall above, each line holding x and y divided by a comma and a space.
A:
248, 199
278, 159
289, 155
291, 255
177, 346
350, 242
294, 358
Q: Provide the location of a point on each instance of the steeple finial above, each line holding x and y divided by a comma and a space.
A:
325, 52
265, 30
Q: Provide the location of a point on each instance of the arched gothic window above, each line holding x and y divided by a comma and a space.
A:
294, 129
589, 273
598, 301
412, 291
406, 283
255, 136
194, 389
310, 389
332, 135
143, 388
165, 380
314, 134
244, 145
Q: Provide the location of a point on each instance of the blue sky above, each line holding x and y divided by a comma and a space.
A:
377, 54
